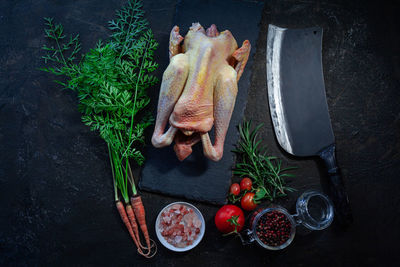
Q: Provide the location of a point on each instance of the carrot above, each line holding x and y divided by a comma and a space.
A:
140, 214
125, 219
131, 217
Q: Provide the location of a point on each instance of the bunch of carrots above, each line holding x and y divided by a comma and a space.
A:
133, 215
111, 82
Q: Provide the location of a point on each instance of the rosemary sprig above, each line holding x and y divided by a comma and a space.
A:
266, 171
111, 83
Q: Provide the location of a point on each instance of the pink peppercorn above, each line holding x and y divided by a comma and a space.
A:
273, 228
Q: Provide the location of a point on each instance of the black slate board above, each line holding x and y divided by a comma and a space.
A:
198, 178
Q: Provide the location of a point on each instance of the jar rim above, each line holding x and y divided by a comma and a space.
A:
303, 212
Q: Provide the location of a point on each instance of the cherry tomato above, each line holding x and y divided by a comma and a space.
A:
247, 201
225, 215
235, 189
246, 184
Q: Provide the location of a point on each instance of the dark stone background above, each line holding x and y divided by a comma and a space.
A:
55, 187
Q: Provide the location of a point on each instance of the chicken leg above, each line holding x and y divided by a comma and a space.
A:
173, 81
224, 101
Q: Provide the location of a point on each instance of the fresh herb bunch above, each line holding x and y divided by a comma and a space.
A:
111, 83
265, 171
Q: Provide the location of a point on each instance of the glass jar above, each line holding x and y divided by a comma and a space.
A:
314, 211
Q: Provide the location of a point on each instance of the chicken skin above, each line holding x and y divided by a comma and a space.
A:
198, 90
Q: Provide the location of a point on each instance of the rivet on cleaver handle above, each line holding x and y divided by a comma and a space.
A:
297, 101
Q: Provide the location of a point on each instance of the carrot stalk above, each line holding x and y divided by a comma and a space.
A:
140, 214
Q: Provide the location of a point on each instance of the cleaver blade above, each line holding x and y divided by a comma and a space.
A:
298, 107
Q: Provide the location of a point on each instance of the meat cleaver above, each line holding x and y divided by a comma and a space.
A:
298, 106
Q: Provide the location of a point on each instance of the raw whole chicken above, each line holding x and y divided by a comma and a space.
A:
198, 90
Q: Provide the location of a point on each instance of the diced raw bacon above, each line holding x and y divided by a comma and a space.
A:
179, 225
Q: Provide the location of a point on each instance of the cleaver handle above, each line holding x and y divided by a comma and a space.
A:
336, 187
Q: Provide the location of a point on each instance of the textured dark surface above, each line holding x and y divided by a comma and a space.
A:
55, 184
198, 178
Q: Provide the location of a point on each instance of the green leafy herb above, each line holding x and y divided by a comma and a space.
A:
111, 83
265, 171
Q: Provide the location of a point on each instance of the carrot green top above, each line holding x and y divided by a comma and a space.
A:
111, 82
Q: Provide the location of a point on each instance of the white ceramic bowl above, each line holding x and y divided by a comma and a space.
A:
199, 237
